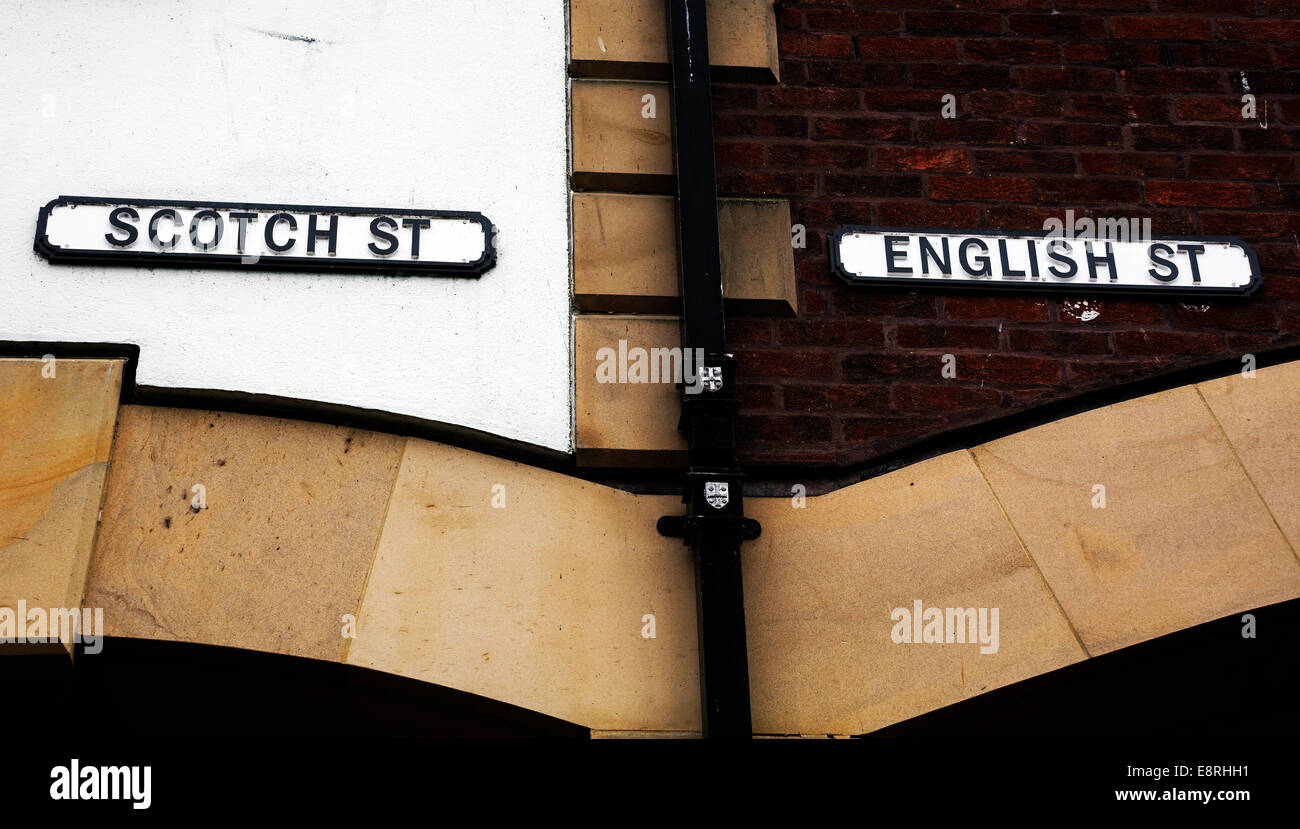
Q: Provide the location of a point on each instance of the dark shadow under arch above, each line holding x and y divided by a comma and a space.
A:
147, 689
1203, 681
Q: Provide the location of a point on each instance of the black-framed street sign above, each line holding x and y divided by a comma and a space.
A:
982, 260
80, 230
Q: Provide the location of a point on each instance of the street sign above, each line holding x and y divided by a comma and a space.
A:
201, 234
908, 258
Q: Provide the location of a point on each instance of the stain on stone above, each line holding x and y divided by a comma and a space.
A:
285, 36
167, 522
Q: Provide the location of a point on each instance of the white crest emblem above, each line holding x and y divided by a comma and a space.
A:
711, 379
717, 493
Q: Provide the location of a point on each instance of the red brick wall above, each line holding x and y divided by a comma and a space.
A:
1121, 108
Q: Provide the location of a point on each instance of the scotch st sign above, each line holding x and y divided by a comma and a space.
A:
192, 234
983, 259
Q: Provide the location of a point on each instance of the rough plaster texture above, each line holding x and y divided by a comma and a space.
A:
456, 106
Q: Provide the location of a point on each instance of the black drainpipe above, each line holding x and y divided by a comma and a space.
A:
716, 524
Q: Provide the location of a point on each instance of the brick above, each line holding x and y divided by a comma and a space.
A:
1020, 309
845, 212
873, 429
748, 331
1009, 369
954, 337
788, 126
813, 302
1103, 5
773, 363
1057, 26
1253, 317
907, 48
1242, 54
1011, 104
887, 366
920, 214
1155, 137
1170, 220
829, 332
1215, 194
943, 398
1161, 28
853, 74
1131, 164
829, 46
1113, 370
1269, 140
1266, 82
869, 130
1291, 319
800, 455
1250, 224
1023, 161
1018, 217
796, 71
757, 396
1111, 312
781, 454
855, 21
739, 154
1080, 78
873, 186
1167, 343
1164, 81
966, 130
1087, 189
874, 303
954, 77
756, 183
1222, 108
951, 22
1279, 286
1251, 343
955, 188
783, 428
1007, 50
1118, 107
1276, 8
733, 96
1059, 342
1005, 5
1074, 134
1119, 53
1272, 31
817, 156
1279, 256
921, 158
1243, 7
805, 98
1284, 57
902, 100
838, 397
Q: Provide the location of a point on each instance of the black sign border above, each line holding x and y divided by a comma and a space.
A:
1027, 286
151, 259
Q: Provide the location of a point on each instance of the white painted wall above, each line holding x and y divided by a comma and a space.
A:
451, 104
